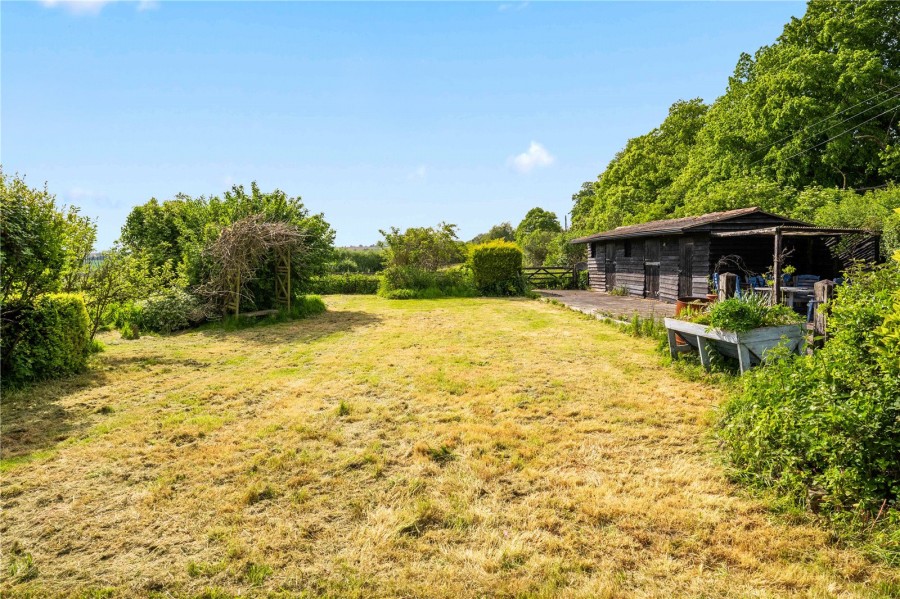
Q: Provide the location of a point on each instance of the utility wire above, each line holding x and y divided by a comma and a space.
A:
838, 113
839, 134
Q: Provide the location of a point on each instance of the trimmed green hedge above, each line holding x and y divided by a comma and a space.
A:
48, 339
497, 268
349, 283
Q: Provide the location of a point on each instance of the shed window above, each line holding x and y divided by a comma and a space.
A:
593, 250
628, 248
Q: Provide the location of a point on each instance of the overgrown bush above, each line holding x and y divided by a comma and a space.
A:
824, 429
167, 311
353, 283
424, 248
345, 260
497, 268
48, 338
407, 282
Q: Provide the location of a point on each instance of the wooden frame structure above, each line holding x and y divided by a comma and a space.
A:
779, 233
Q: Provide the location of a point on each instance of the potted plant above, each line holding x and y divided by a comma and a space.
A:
711, 293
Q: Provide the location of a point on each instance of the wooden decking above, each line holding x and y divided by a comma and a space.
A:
615, 307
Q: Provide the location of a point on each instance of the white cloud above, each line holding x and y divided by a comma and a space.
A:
419, 174
536, 156
93, 7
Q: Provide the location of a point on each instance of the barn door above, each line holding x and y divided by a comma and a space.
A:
686, 267
651, 269
610, 266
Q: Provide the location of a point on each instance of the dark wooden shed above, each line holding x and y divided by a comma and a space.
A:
669, 259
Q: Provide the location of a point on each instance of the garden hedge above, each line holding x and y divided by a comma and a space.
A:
497, 268
47, 339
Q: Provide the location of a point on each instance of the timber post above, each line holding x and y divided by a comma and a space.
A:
727, 285
823, 292
776, 269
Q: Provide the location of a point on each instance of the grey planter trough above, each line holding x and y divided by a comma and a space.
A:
748, 347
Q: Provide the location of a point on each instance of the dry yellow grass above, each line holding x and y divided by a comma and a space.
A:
450, 448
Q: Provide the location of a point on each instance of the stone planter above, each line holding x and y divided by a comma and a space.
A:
749, 347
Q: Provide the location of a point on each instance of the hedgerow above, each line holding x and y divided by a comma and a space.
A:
409, 282
824, 429
349, 283
51, 338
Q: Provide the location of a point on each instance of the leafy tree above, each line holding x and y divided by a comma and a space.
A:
33, 244
177, 232
537, 219
121, 277
635, 186
560, 252
81, 234
502, 231
536, 246
166, 232
427, 248
816, 110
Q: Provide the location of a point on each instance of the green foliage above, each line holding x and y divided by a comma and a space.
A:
409, 282
176, 232
497, 268
824, 429
635, 187
165, 311
423, 248
767, 141
47, 338
746, 312
351, 283
560, 252
621, 290
40, 244
537, 246
302, 306
537, 219
346, 260
503, 231
119, 279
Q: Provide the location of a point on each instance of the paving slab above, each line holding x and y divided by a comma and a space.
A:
617, 307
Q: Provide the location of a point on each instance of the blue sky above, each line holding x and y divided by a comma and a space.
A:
402, 114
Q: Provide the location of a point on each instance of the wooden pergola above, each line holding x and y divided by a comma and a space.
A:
779, 232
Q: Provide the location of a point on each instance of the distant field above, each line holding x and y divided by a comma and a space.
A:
444, 448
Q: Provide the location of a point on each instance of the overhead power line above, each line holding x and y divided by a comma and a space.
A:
897, 107
838, 113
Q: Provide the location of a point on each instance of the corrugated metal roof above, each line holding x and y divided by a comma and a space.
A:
673, 226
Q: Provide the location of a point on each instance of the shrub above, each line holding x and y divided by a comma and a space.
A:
48, 338
353, 283
169, 310
497, 268
407, 282
425, 248
356, 260
305, 306
824, 429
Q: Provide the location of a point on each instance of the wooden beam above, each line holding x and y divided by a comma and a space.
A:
776, 268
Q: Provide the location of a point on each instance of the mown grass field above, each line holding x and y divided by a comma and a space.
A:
445, 448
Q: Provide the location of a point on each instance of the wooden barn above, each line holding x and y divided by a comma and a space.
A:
669, 259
